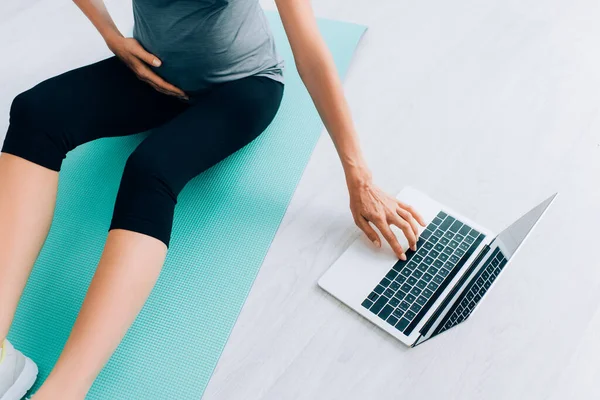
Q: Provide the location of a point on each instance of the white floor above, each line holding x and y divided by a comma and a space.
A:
488, 106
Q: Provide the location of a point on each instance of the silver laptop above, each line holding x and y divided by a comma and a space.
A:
439, 285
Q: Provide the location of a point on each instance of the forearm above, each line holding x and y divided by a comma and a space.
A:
321, 79
97, 13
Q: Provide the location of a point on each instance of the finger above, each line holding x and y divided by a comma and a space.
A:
406, 229
146, 74
146, 57
159, 89
410, 219
364, 225
157, 80
413, 212
387, 233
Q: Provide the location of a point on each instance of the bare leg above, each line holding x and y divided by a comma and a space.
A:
27, 201
128, 269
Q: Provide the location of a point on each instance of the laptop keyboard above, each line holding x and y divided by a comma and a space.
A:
409, 289
478, 286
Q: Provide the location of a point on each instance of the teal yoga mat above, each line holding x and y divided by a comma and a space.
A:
225, 221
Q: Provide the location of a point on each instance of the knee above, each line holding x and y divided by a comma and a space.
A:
24, 108
145, 201
147, 172
30, 134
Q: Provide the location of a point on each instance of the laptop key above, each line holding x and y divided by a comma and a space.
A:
458, 237
421, 284
398, 313
410, 298
428, 260
444, 241
428, 245
404, 305
400, 279
391, 275
415, 307
433, 286
367, 303
394, 302
394, 286
406, 287
406, 272
464, 230
464, 246
427, 277
439, 247
409, 315
387, 310
417, 274
402, 324
399, 295
412, 280
459, 252
437, 220
389, 293
373, 296
447, 222
422, 252
392, 320
453, 244
385, 282
438, 279
379, 289
416, 291
378, 305
444, 272
421, 300
425, 234
433, 254
473, 233
444, 257
469, 240
434, 239
456, 226
427, 293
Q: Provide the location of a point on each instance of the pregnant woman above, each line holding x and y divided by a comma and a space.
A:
205, 79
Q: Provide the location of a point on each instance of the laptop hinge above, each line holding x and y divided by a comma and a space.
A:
437, 313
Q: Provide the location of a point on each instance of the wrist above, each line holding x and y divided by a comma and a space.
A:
357, 174
111, 39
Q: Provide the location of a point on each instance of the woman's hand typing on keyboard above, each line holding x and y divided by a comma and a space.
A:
371, 205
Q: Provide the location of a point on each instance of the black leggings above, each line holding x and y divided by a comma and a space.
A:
106, 99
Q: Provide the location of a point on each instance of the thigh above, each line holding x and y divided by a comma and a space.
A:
97, 100
219, 123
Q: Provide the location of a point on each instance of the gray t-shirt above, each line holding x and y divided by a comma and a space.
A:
201, 42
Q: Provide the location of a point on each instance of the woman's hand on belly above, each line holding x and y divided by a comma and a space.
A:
132, 53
